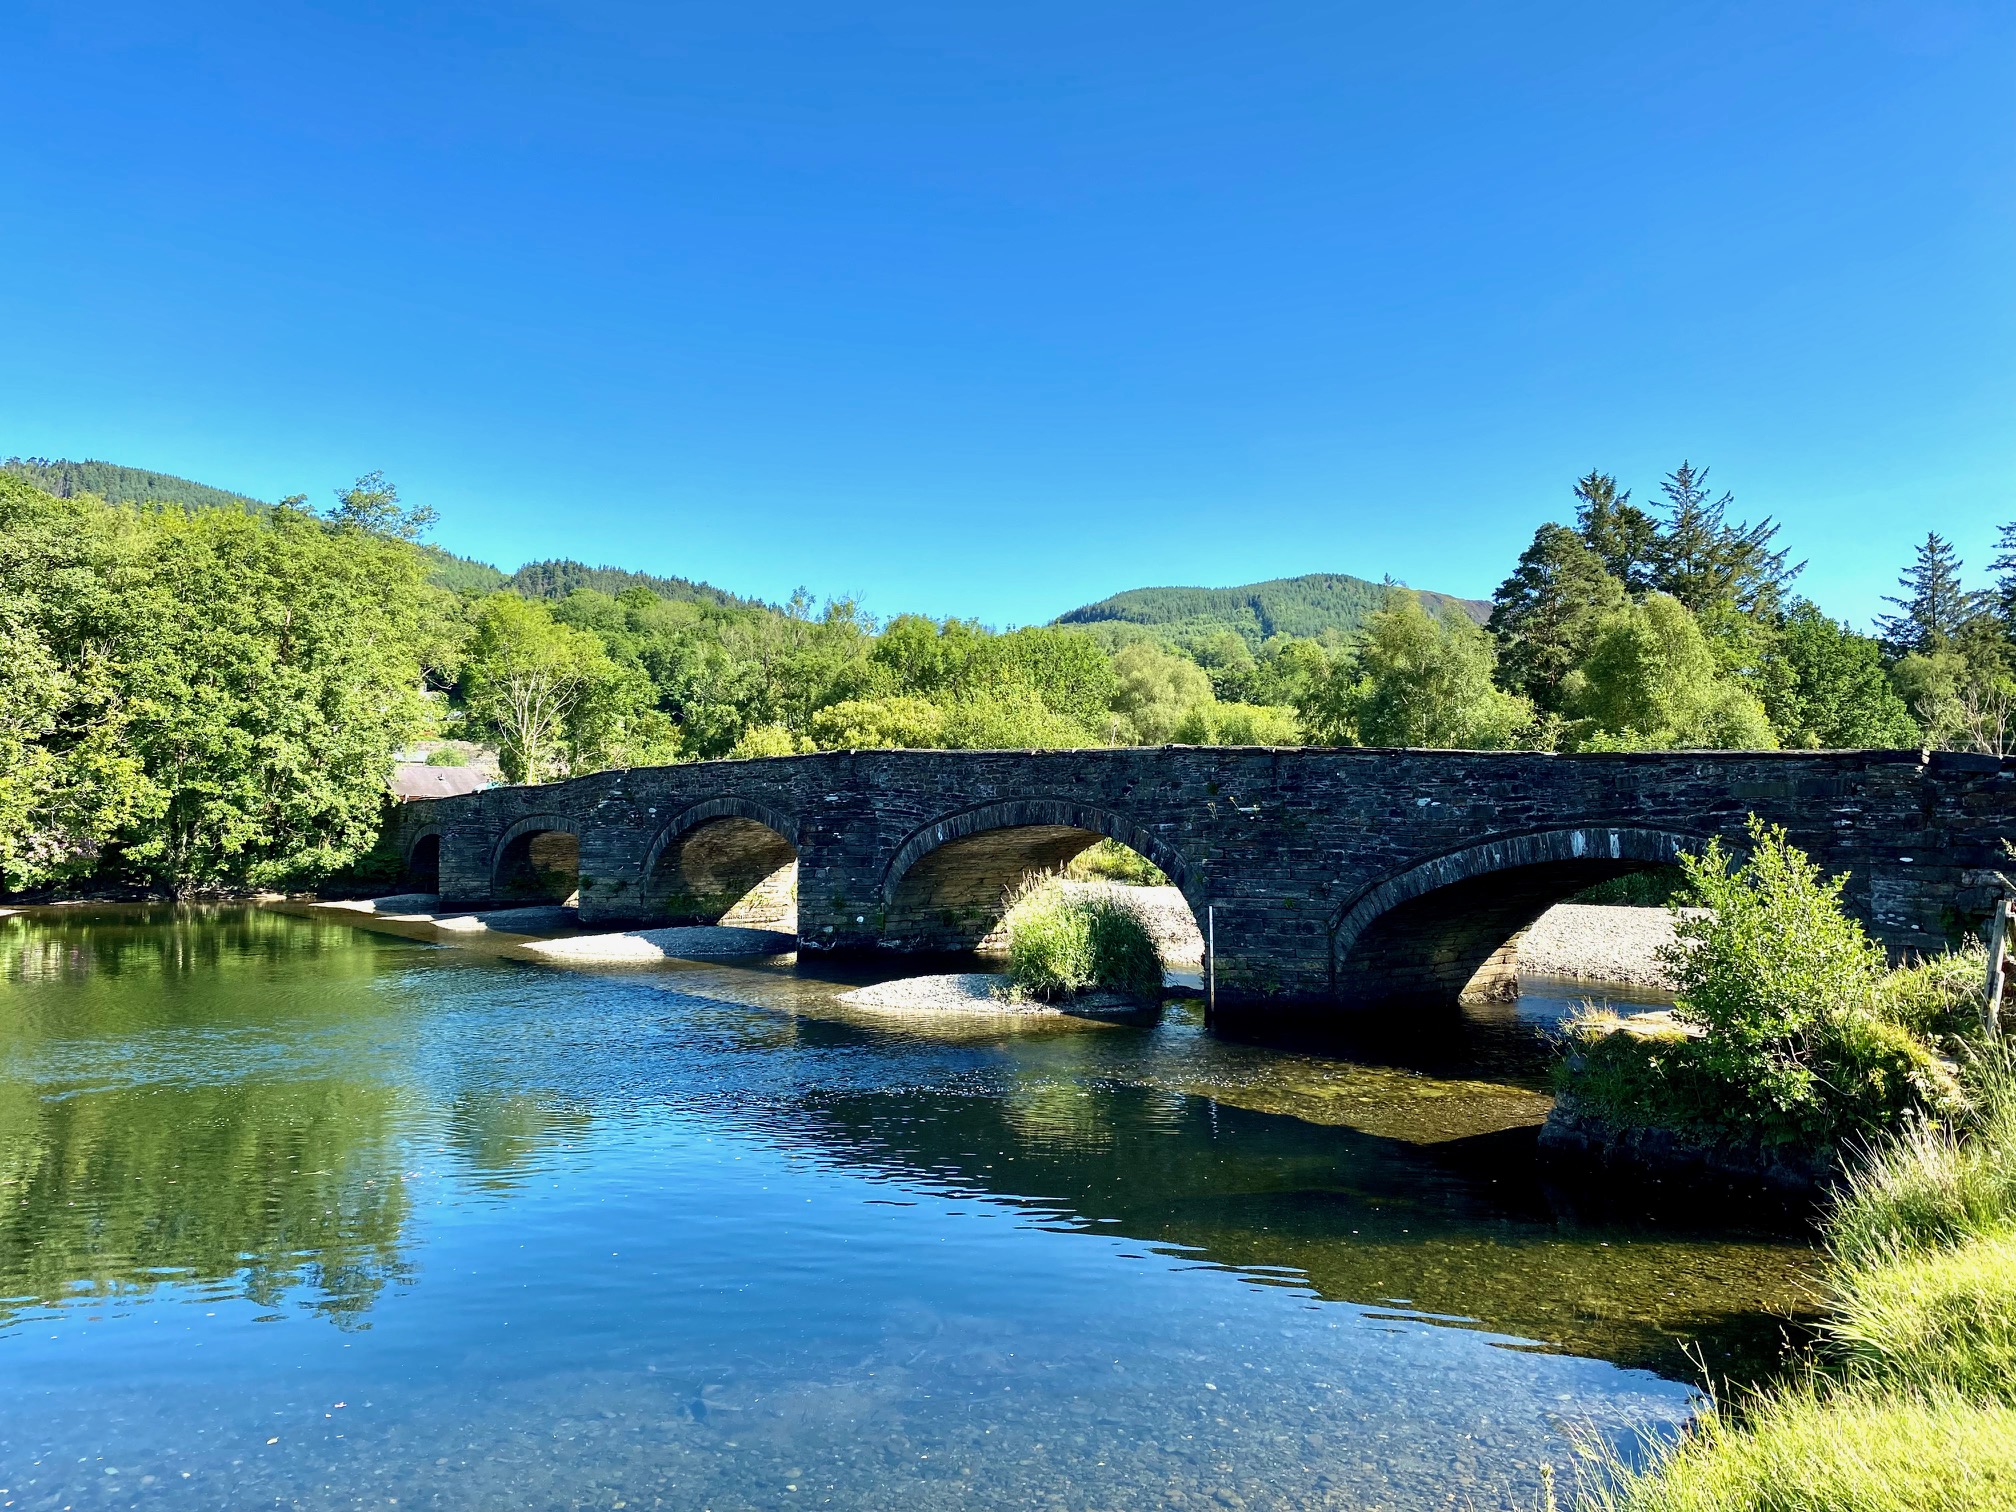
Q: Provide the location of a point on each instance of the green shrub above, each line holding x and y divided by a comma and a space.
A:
448, 756
1814, 1450
1654, 888
1944, 1319
1064, 940
1110, 861
1782, 984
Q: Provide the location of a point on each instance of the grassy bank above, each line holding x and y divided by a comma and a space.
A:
1911, 1404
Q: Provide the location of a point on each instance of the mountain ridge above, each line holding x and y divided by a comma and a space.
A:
1307, 605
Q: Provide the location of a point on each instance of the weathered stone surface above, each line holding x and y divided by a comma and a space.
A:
1350, 875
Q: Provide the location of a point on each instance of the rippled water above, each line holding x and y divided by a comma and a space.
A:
295, 1214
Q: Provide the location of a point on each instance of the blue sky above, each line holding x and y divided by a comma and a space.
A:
993, 310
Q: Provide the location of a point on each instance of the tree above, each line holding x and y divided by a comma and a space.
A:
372, 504
1238, 724
1935, 606
1545, 614
1825, 687
1650, 682
2003, 565
873, 724
1702, 560
545, 691
1425, 681
1154, 689
1623, 536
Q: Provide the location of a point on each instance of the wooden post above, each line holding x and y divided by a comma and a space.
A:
1998, 966
1211, 964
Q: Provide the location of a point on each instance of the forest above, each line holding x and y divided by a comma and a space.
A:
202, 696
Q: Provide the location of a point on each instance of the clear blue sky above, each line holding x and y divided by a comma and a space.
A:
993, 310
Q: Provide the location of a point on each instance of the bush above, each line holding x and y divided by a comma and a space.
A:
1064, 940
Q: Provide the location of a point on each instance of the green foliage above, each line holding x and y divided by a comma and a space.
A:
1651, 682
559, 578
1546, 614
200, 699
869, 724
1426, 682
1825, 687
1934, 1185
552, 699
1934, 604
1654, 888
1110, 861
1257, 612
1792, 1047
769, 740
1154, 689
1915, 1406
1065, 939
123, 485
1237, 724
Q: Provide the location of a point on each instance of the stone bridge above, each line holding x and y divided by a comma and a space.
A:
1353, 876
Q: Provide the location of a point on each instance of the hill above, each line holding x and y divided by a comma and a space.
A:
548, 580
123, 485
1301, 606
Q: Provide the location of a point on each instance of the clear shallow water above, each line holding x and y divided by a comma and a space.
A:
294, 1214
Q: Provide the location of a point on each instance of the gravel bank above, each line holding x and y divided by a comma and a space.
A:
703, 941
1599, 944
976, 992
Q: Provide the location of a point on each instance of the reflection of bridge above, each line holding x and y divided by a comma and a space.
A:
1347, 875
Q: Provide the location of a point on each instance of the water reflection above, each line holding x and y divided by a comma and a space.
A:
719, 1212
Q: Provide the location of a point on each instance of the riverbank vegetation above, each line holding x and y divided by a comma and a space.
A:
201, 691
1065, 940
1791, 1043
1911, 1401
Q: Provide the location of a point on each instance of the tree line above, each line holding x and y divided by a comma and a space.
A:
210, 698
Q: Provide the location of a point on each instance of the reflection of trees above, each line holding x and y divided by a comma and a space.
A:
500, 1134
293, 1185
1451, 1229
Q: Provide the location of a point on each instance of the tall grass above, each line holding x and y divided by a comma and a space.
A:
1912, 1406
1063, 941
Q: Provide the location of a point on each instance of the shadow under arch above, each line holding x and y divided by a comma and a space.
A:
943, 888
723, 860
1447, 930
538, 859
421, 869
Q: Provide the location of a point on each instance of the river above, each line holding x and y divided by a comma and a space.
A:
303, 1215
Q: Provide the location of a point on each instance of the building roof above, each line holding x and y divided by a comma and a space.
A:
416, 779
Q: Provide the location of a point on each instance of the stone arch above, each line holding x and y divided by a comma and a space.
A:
421, 869
724, 860
537, 859
1447, 929
943, 887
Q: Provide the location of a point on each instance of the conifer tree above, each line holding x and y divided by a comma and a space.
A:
1702, 560
1935, 606
1621, 534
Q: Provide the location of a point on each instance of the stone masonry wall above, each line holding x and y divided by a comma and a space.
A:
1302, 852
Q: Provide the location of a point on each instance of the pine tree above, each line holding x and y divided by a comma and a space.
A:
1703, 560
1621, 534
2004, 568
1935, 605
1546, 613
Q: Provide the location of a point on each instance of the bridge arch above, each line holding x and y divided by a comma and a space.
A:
943, 887
420, 869
537, 859
724, 860
1447, 929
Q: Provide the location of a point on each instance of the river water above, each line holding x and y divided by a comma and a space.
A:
296, 1214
